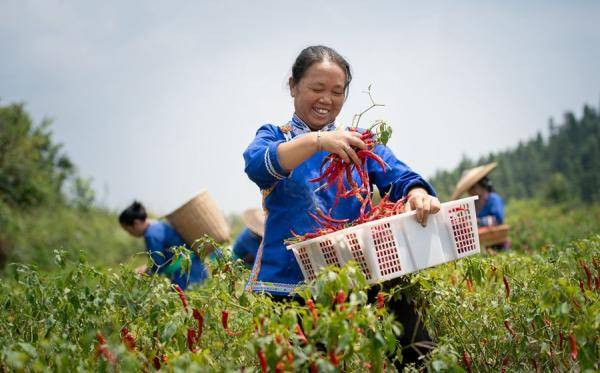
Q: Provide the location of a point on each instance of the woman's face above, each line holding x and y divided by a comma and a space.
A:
477, 190
319, 95
137, 229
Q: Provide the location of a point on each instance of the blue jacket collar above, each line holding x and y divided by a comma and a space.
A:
299, 127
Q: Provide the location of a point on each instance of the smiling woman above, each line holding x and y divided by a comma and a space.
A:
282, 160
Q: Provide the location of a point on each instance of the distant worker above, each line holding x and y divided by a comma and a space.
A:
159, 237
246, 244
489, 205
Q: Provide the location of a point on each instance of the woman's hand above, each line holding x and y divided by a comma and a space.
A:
341, 143
292, 153
141, 270
423, 203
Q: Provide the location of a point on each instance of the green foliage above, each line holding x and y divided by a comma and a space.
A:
35, 233
565, 166
32, 167
535, 223
520, 328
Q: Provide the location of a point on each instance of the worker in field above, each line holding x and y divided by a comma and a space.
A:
160, 237
281, 161
246, 244
489, 205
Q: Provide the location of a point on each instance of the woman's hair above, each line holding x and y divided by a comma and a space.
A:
486, 183
133, 212
319, 53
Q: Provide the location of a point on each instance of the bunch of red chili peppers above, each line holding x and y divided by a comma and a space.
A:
335, 172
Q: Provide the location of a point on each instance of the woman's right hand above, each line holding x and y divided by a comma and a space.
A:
341, 142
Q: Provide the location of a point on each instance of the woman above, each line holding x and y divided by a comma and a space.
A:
248, 241
489, 205
159, 238
281, 160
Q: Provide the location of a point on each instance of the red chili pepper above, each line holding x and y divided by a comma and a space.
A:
507, 326
301, 336
470, 285
290, 357
369, 154
263, 361
279, 368
182, 296
224, 318
573, 345
199, 316
340, 297
506, 286
588, 274
156, 362
576, 303
102, 349
597, 282
380, 300
311, 306
313, 367
581, 287
561, 338
191, 340
504, 364
333, 358
127, 339
467, 361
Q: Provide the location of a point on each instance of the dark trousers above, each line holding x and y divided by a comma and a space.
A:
414, 340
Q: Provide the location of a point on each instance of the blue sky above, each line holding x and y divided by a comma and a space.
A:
156, 100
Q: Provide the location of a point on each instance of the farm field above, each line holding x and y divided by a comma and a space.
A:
533, 309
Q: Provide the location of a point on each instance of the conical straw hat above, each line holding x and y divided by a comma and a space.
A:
470, 177
254, 220
200, 216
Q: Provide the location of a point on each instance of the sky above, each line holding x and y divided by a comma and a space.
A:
157, 100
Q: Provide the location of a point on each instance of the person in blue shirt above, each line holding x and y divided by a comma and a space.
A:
282, 159
159, 237
489, 205
248, 241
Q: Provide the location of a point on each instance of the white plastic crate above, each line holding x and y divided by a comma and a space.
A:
397, 245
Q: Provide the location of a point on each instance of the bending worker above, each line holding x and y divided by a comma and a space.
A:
246, 244
160, 237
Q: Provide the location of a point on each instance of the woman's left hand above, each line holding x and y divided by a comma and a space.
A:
423, 203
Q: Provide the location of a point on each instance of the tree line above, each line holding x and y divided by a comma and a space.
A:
562, 166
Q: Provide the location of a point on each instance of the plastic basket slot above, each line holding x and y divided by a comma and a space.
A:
358, 254
329, 253
305, 262
385, 249
462, 228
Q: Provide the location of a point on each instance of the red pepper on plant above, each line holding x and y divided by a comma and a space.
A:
467, 361
588, 274
573, 345
102, 349
182, 297
380, 300
506, 286
127, 339
301, 336
311, 306
334, 358
191, 341
263, 360
507, 326
224, 322
199, 316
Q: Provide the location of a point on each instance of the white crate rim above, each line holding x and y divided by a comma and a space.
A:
333, 235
